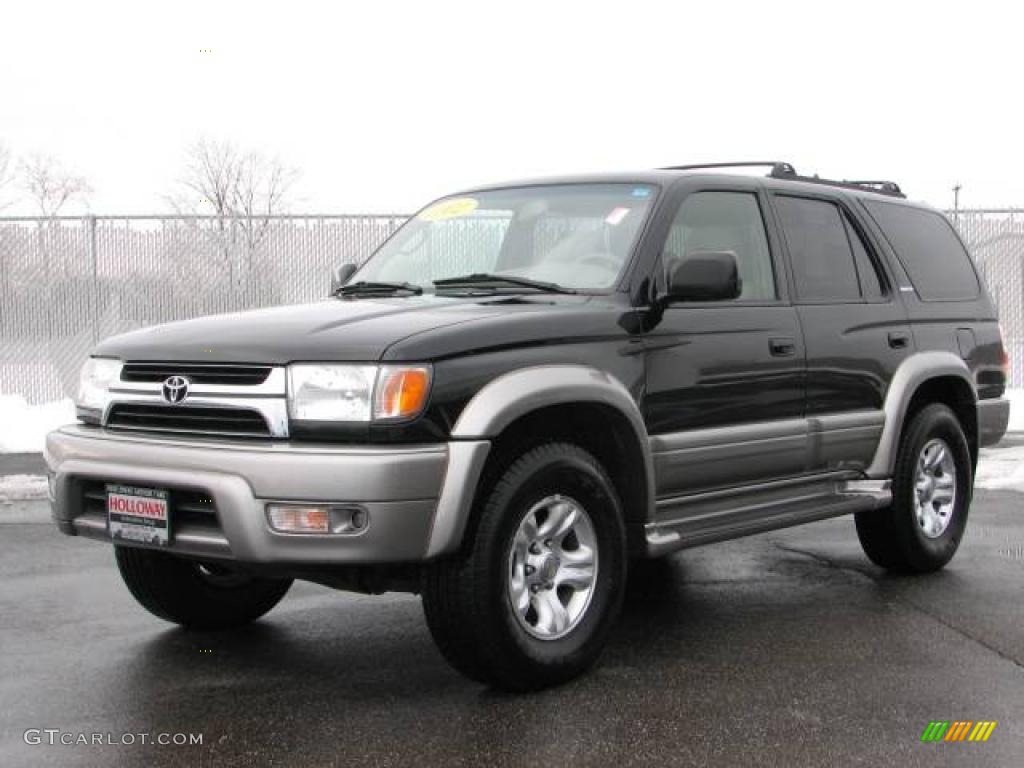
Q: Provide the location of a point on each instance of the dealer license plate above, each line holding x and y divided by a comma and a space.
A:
138, 515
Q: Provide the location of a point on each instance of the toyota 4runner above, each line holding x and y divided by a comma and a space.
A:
529, 386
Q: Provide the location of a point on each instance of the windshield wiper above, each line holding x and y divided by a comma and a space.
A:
488, 280
365, 288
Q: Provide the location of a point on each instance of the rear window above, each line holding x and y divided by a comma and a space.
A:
929, 250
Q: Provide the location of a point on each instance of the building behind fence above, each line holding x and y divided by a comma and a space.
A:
66, 283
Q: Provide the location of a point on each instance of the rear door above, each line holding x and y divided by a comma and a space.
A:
854, 325
725, 380
944, 298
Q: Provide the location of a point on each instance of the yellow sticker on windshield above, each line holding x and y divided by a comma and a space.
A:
449, 209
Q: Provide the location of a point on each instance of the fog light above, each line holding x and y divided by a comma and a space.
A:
296, 519
358, 519
306, 518
349, 519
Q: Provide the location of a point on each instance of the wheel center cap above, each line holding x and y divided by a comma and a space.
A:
548, 568
929, 487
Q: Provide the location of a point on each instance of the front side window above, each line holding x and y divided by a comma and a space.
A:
823, 261
725, 221
577, 236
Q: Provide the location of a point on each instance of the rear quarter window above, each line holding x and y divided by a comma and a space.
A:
930, 251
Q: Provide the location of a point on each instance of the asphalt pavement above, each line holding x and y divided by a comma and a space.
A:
783, 649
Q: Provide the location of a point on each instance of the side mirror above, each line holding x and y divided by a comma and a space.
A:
341, 275
705, 276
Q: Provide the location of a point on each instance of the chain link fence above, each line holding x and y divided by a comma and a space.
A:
66, 283
995, 238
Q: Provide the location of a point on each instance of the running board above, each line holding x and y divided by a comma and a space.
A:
717, 516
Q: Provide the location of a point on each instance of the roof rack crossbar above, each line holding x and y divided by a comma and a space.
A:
779, 167
879, 186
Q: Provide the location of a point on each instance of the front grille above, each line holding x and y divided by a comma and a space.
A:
194, 419
187, 507
197, 373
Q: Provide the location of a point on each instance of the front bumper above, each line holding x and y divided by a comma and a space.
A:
417, 497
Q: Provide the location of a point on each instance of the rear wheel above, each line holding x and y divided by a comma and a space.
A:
922, 529
194, 594
531, 601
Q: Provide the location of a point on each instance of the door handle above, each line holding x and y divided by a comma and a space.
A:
782, 347
899, 340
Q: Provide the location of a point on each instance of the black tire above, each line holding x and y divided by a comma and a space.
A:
466, 598
195, 595
893, 538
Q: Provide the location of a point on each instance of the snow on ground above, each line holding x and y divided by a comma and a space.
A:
1016, 397
23, 427
22, 487
1001, 469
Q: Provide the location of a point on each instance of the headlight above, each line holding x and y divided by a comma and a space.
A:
356, 393
98, 374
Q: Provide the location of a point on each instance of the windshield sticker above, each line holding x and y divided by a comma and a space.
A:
641, 192
617, 215
449, 209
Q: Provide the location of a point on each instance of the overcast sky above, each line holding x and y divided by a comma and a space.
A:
382, 105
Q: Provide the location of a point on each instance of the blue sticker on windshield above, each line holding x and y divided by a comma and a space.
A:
641, 192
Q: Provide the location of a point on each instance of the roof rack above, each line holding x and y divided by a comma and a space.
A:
778, 167
885, 187
784, 170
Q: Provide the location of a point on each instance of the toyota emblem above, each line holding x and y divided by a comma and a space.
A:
175, 389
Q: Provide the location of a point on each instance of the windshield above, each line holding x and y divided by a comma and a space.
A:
577, 236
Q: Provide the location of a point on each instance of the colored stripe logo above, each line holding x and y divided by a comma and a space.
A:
958, 730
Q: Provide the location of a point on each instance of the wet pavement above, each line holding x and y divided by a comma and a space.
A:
783, 649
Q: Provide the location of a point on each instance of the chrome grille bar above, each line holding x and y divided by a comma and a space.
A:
252, 410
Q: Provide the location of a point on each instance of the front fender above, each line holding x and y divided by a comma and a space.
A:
518, 393
508, 398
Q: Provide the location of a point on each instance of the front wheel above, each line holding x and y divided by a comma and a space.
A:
922, 529
194, 594
531, 601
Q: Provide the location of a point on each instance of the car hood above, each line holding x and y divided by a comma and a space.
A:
342, 330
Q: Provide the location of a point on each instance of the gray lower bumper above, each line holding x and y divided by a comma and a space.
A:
993, 417
417, 497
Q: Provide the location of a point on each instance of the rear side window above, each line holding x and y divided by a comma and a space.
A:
823, 261
929, 250
870, 282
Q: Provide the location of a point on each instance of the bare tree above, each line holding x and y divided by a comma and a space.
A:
243, 189
50, 185
6, 176
228, 182
261, 189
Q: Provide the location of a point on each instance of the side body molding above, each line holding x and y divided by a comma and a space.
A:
912, 372
500, 403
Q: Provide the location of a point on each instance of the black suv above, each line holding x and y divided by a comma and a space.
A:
530, 385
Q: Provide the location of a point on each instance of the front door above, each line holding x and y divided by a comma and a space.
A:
725, 380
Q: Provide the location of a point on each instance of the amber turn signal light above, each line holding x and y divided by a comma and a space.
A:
401, 391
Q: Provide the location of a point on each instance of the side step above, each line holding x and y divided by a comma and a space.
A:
718, 516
